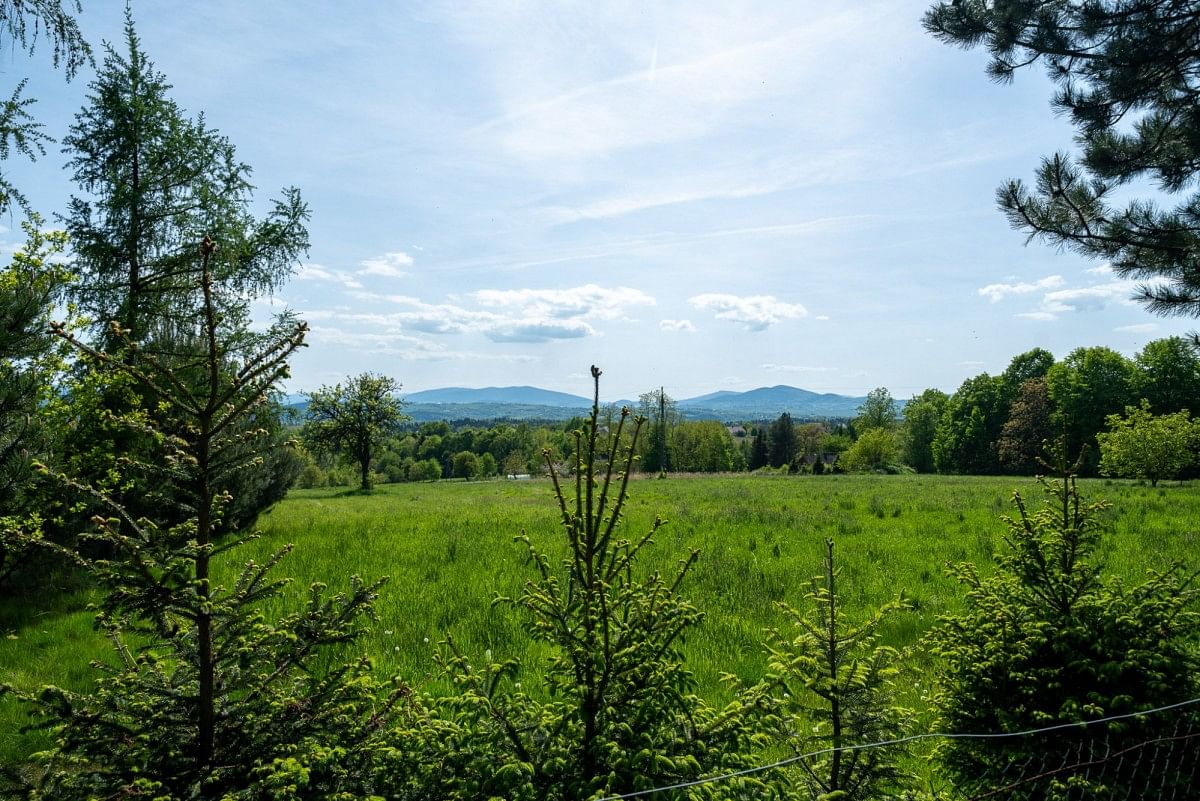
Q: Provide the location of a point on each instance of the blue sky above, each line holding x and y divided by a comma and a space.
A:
688, 196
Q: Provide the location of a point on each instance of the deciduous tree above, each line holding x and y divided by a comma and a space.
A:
1140, 444
922, 415
877, 411
1029, 426
353, 420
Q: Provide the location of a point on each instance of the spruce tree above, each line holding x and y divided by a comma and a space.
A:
834, 688
208, 698
618, 712
1047, 639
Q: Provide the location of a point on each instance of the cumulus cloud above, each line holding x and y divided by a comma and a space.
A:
997, 292
315, 272
539, 331
588, 301
389, 265
1081, 299
1139, 328
677, 325
510, 315
753, 312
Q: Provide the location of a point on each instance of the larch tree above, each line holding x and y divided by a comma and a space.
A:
154, 182
353, 420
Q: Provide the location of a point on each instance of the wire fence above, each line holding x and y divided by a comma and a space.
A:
1092, 759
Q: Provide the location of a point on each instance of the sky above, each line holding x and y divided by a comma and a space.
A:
699, 196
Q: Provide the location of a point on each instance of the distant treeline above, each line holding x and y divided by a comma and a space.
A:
990, 425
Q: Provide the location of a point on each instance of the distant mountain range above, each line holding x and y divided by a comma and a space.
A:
533, 403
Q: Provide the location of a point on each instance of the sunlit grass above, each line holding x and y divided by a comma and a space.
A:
448, 548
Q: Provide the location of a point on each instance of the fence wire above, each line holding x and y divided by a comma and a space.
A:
1064, 761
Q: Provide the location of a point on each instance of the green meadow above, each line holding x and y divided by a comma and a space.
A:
448, 550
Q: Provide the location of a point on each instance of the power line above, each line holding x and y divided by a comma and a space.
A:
899, 741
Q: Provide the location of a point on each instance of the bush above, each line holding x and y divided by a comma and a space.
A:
425, 470
1047, 640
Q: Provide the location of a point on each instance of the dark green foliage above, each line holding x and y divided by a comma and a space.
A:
760, 452
969, 427
922, 415
662, 414
835, 687
28, 288
1086, 387
1027, 366
208, 699
157, 182
781, 441
353, 420
1124, 71
621, 714
1029, 426
1047, 639
1169, 375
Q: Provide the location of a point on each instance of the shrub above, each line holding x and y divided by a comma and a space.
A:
1047, 640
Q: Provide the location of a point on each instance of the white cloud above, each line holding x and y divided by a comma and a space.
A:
315, 272
511, 315
1038, 315
1090, 298
389, 265
677, 325
754, 312
821, 317
997, 292
1103, 269
539, 330
1139, 328
589, 301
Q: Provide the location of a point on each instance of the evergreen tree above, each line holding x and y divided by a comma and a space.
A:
782, 441
835, 687
1046, 639
207, 699
760, 453
157, 182
662, 413
1124, 71
618, 712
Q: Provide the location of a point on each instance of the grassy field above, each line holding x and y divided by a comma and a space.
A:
448, 549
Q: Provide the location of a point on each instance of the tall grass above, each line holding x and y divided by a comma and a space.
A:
449, 551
